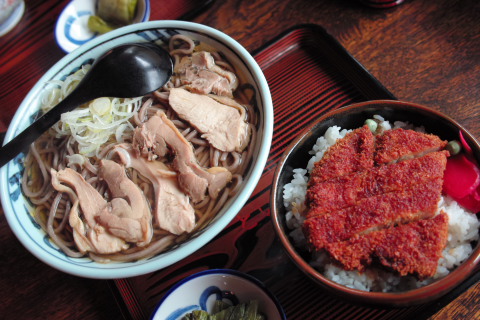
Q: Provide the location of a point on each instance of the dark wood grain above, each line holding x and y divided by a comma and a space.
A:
423, 51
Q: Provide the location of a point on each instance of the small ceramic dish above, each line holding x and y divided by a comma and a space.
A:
10, 14
18, 209
71, 30
201, 290
296, 156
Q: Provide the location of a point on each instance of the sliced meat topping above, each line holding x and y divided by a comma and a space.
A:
200, 74
108, 225
413, 248
159, 136
128, 215
345, 191
173, 211
88, 234
352, 153
373, 213
222, 124
399, 144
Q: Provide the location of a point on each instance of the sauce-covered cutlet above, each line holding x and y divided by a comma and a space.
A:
419, 202
345, 191
412, 248
373, 197
352, 153
399, 144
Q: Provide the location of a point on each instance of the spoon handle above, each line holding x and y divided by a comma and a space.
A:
22, 142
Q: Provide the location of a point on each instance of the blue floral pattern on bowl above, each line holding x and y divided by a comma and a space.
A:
201, 290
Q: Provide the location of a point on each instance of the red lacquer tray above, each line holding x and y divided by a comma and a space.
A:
309, 73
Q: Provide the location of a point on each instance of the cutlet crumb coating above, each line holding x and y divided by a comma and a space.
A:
341, 192
400, 144
412, 248
373, 213
364, 186
352, 153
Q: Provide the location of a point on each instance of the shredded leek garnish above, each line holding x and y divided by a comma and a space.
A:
95, 123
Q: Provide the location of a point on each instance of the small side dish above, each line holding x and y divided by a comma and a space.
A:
80, 21
219, 294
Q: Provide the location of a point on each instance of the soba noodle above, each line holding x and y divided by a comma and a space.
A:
58, 150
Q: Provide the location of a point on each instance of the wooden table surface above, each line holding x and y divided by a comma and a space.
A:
423, 51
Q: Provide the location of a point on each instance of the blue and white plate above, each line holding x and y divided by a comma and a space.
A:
14, 17
72, 29
201, 290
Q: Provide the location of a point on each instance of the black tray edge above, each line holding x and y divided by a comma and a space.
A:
353, 63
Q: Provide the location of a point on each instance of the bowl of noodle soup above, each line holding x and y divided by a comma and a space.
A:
41, 191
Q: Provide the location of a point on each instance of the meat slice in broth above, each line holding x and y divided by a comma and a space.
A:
172, 210
200, 74
128, 214
87, 233
400, 144
412, 248
158, 137
222, 124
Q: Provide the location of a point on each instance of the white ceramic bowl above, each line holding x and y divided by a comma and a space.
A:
17, 208
199, 292
71, 30
11, 12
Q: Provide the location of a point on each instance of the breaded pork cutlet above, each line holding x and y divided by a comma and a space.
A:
373, 213
412, 248
399, 144
352, 153
346, 191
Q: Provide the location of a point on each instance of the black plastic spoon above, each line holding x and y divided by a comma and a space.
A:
126, 71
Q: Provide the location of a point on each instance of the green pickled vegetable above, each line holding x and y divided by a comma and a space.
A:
97, 24
219, 305
238, 312
224, 311
119, 12
251, 310
372, 125
112, 14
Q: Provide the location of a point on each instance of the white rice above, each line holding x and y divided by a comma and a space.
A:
462, 230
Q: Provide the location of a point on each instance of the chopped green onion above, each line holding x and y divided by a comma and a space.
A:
94, 124
454, 147
372, 124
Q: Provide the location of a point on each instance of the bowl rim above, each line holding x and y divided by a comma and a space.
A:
216, 226
410, 297
219, 272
